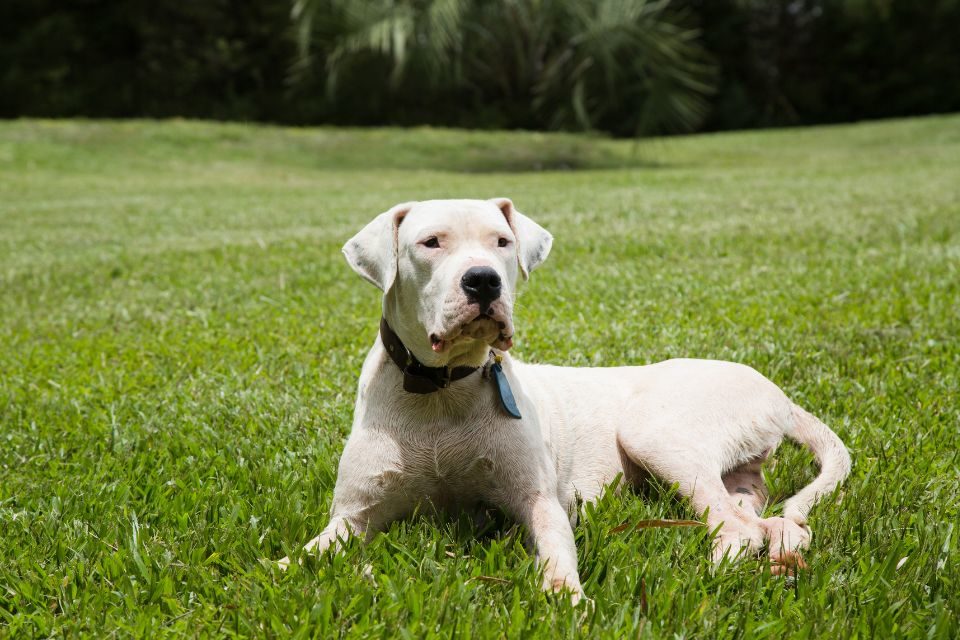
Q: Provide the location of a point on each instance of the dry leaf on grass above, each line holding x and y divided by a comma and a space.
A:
656, 524
490, 579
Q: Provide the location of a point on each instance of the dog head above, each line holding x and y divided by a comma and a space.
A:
448, 270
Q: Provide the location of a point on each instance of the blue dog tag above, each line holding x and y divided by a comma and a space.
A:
503, 388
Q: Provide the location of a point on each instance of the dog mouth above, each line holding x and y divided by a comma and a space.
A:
484, 327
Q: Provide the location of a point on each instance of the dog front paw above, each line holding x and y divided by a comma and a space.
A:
559, 585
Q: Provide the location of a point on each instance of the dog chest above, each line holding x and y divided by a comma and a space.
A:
453, 462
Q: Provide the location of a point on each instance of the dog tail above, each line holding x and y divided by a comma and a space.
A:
831, 455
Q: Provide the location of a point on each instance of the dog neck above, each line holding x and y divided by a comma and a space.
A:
449, 391
417, 377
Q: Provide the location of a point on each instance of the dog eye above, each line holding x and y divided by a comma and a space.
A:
431, 243
502, 242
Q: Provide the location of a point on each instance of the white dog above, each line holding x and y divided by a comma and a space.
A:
445, 417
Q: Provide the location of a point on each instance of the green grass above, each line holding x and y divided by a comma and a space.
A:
180, 340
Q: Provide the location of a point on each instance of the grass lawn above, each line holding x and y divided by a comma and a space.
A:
180, 340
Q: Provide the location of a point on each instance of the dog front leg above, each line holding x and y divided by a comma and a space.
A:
552, 537
338, 529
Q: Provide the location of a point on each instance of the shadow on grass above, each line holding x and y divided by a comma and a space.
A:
176, 144
477, 152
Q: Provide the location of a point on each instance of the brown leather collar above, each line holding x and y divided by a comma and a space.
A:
417, 377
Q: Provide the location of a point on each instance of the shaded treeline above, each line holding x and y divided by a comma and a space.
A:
623, 66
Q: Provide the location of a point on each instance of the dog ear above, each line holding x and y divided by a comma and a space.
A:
372, 253
533, 241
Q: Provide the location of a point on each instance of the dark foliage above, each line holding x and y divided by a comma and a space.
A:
212, 59
777, 62
786, 62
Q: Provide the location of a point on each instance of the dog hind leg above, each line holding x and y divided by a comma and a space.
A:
831, 455
739, 529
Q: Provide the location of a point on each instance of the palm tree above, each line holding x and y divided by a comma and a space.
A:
625, 66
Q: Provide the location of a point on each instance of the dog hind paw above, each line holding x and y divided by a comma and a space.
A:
786, 540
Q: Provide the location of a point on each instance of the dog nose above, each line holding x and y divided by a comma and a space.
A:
482, 285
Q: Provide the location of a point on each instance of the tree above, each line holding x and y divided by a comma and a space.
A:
627, 66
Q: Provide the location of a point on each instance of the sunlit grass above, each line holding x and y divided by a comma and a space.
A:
180, 339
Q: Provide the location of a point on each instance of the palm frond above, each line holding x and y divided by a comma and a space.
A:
576, 63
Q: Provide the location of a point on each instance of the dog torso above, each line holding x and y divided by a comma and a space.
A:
458, 448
